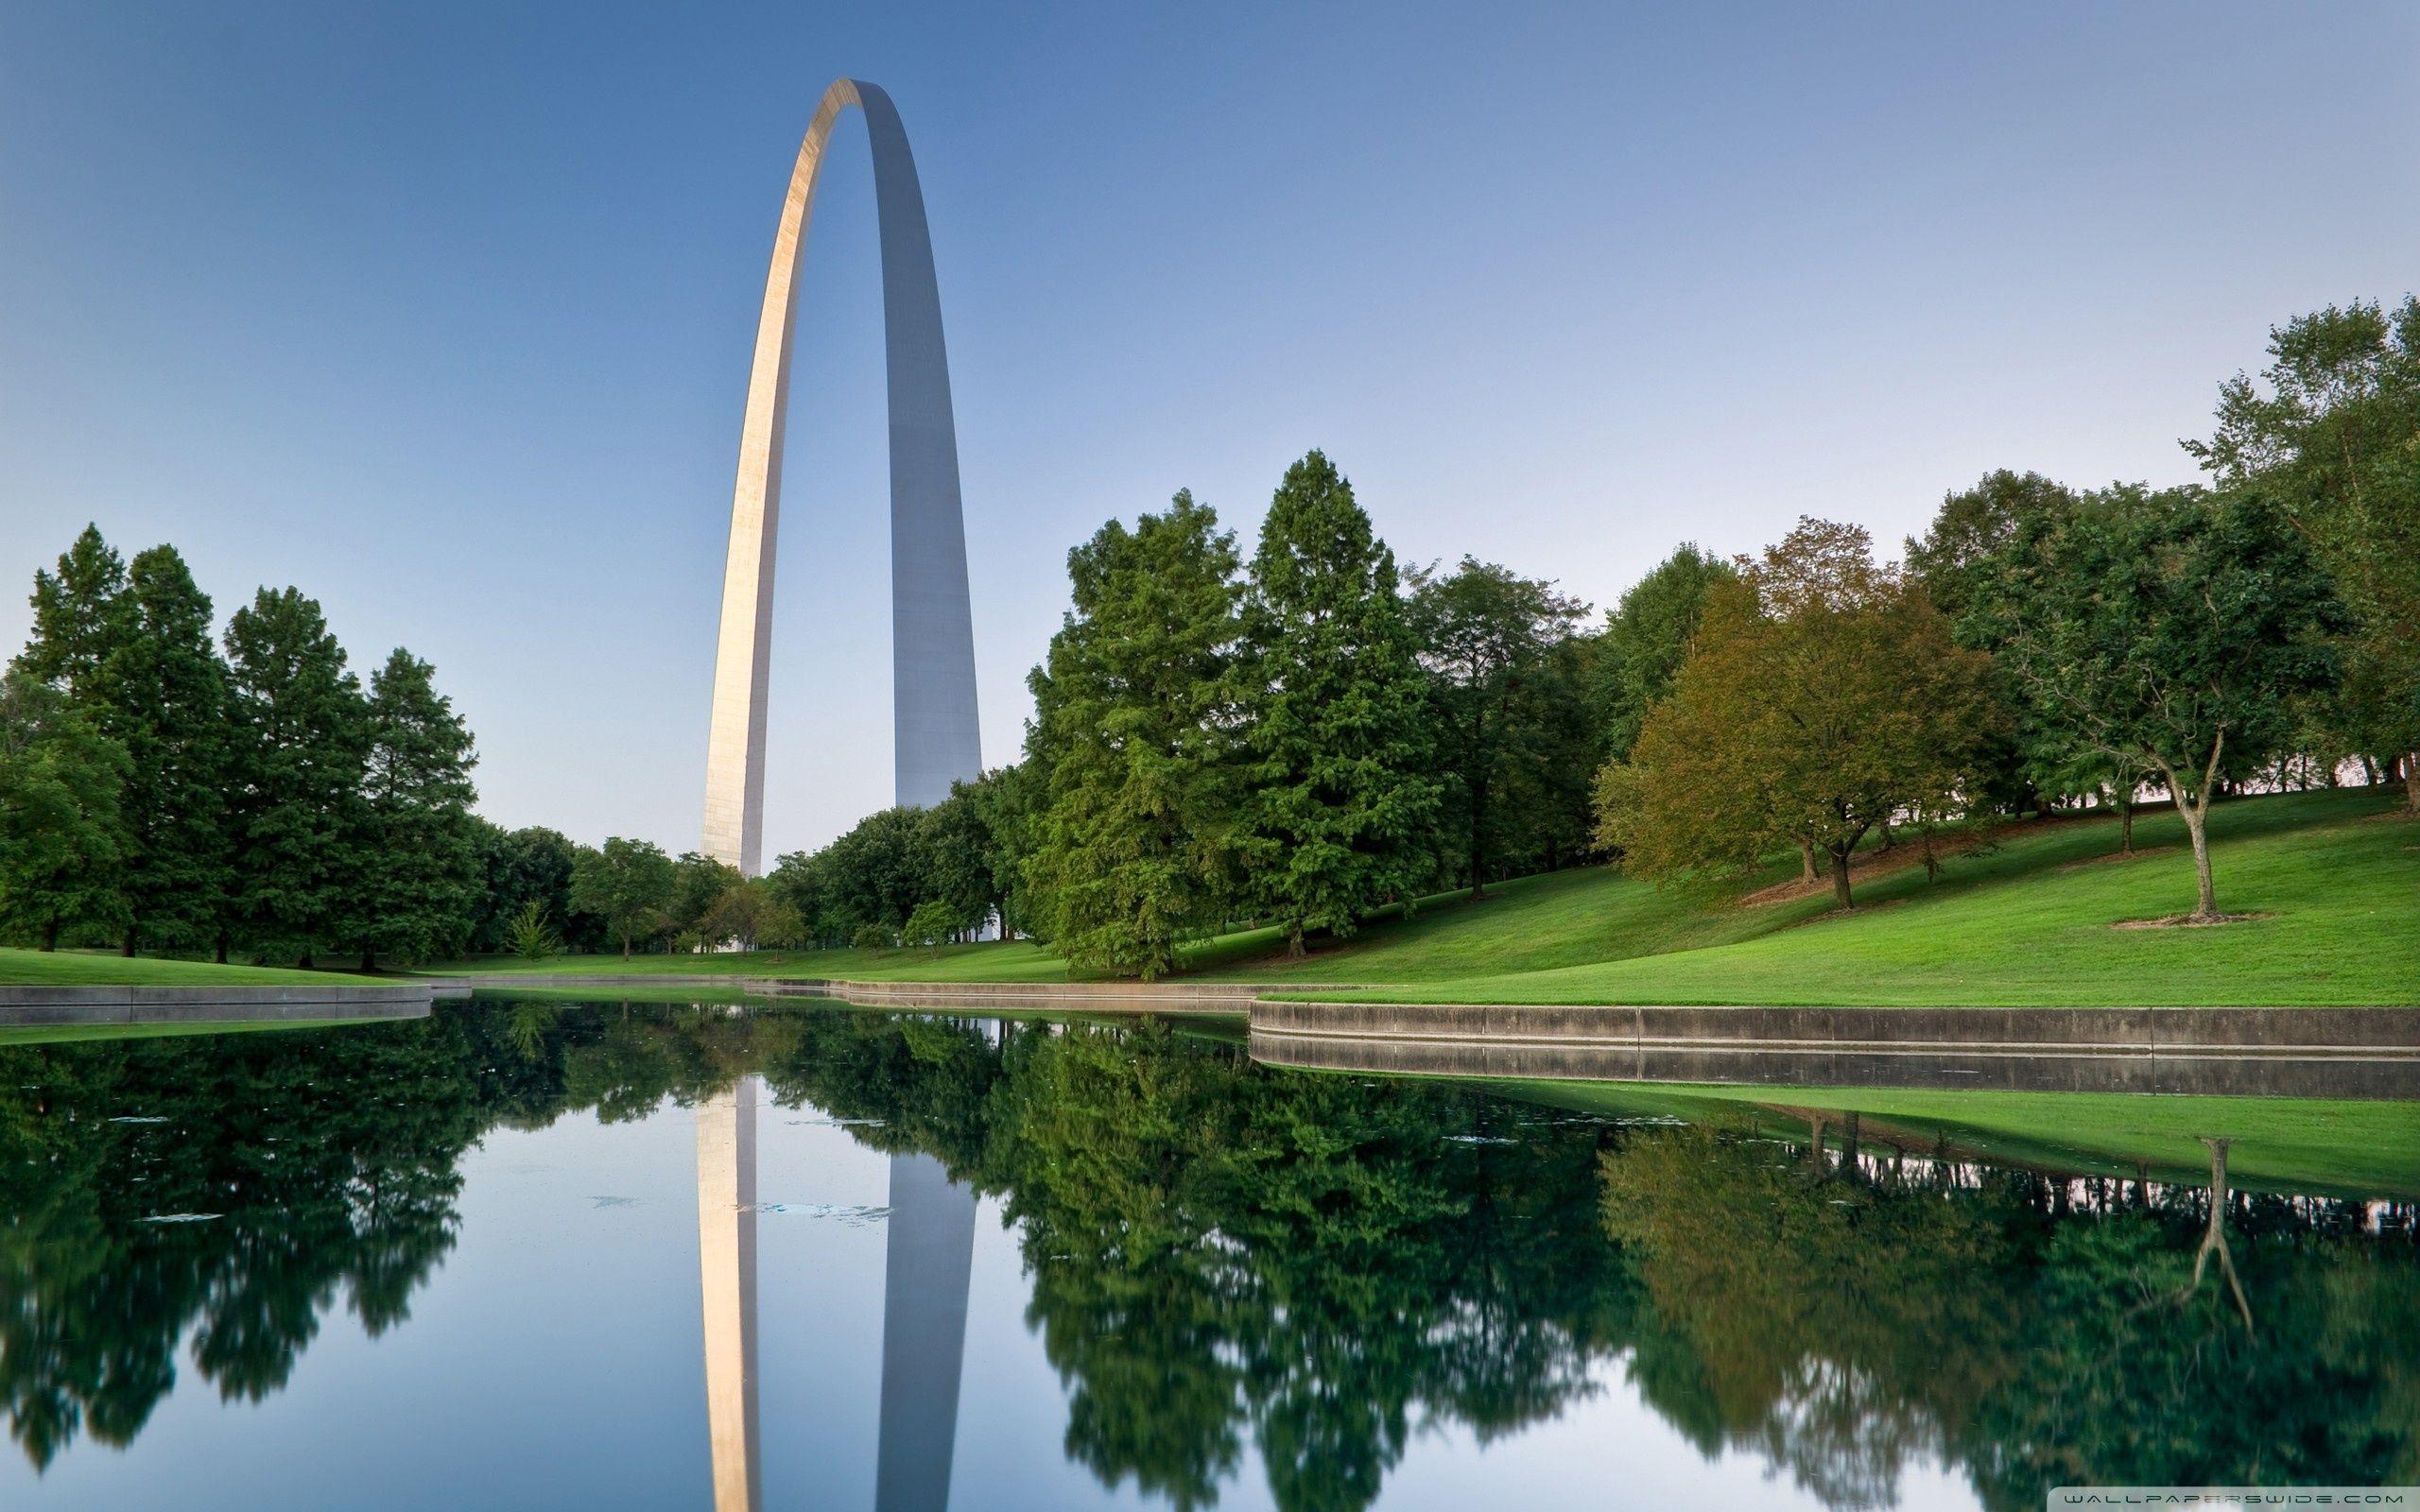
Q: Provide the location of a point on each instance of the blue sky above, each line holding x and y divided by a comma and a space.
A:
442, 312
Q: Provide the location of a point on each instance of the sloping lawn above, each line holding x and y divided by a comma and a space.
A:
109, 969
2336, 875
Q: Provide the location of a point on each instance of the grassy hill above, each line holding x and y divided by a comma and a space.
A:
2334, 876
109, 969
2026, 918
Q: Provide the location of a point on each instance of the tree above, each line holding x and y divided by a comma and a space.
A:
928, 924
629, 884
415, 890
1645, 638
521, 868
1971, 526
751, 913
301, 741
955, 856
61, 828
2170, 630
1485, 636
1134, 723
77, 620
527, 933
700, 881
161, 693
1341, 805
1823, 696
2331, 439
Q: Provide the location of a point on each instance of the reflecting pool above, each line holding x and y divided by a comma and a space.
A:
525, 1255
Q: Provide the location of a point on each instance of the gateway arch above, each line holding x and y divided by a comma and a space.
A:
932, 634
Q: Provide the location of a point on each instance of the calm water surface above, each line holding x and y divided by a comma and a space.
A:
523, 1256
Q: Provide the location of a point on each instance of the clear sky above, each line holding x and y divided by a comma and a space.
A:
442, 312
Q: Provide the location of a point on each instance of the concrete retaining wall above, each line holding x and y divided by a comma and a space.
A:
2231, 1031
53, 1006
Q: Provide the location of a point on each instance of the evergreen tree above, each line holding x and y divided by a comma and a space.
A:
77, 620
61, 780
162, 695
301, 739
1135, 722
417, 867
1341, 805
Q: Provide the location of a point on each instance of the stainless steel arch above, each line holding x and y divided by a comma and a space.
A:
932, 634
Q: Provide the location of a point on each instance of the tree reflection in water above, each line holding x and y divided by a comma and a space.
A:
1223, 1257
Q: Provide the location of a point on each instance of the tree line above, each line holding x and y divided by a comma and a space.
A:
1303, 737
162, 790
1300, 738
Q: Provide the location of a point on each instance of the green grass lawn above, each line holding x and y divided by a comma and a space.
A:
109, 969
996, 961
2337, 874
2028, 921
2367, 1149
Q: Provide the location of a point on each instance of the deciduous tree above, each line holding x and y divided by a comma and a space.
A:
1646, 636
628, 884
2170, 630
1823, 696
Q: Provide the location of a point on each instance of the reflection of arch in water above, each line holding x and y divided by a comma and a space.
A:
928, 1261
926, 1267
932, 635
727, 1284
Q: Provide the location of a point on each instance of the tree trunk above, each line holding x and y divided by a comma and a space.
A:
1806, 861
305, 962
626, 946
1887, 841
220, 954
369, 962
1841, 877
1479, 849
2411, 783
127, 949
2126, 827
50, 935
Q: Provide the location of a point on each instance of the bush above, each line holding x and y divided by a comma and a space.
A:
872, 938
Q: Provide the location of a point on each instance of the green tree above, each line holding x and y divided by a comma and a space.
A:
698, 884
1487, 637
78, 623
955, 857
1824, 697
300, 742
527, 933
415, 891
2331, 435
929, 925
629, 884
519, 867
752, 914
1135, 722
1342, 806
162, 695
1646, 636
60, 827
2170, 630
1972, 524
